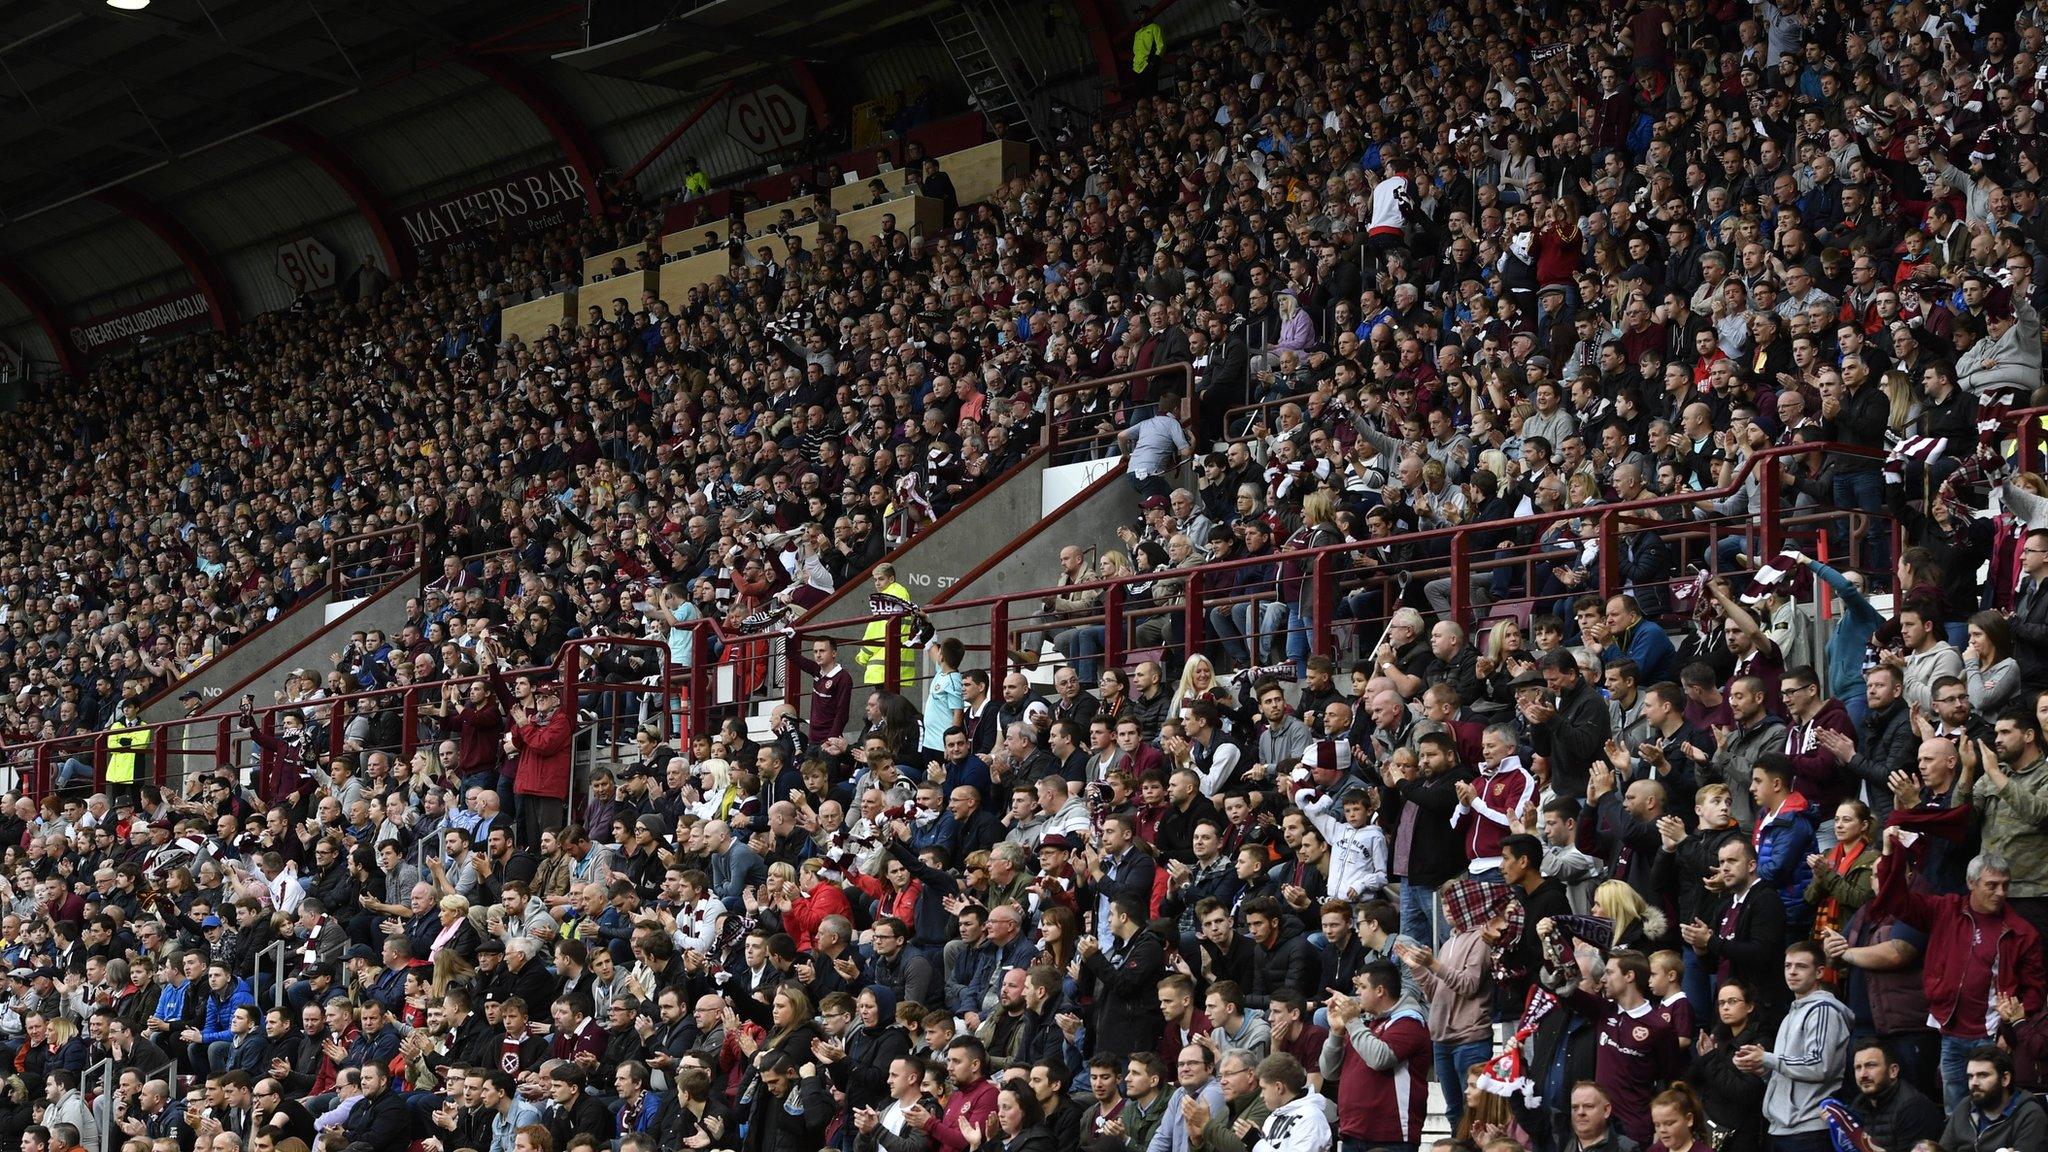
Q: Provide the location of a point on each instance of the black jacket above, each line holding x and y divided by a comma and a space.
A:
1573, 737
1032, 1139
1339, 966
1887, 744
1435, 853
1864, 417
383, 1122
474, 1044
1900, 1116
1679, 873
864, 1074
586, 1115
1126, 989
1548, 900
2030, 636
1755, 949
1290, 963
771, 1127
1734, 1098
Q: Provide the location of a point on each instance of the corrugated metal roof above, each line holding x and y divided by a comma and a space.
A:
445, 144
441, 129
88, 267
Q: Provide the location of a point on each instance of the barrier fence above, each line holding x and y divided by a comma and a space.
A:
1334, 596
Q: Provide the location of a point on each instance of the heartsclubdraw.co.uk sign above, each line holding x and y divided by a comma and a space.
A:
536, 199
163, 316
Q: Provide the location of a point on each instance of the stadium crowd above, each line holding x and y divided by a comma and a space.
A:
657, 463
1640, 872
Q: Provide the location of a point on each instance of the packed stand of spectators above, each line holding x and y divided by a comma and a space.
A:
659, 462
1163, 909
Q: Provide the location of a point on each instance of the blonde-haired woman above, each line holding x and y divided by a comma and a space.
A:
1904, 405
1318, 530
454, 948
1636, 924
1198, 681
1495, 675
715, 792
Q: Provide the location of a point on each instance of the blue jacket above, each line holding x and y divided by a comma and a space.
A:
1851, 637
220, 1013
1781, 854
1650, 647
252, 1055
645, 1118
170, 1003
368, 1049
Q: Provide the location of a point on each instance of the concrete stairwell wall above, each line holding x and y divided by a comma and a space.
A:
258, 666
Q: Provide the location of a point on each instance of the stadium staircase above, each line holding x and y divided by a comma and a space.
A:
1070, 487
978, 40
368, 583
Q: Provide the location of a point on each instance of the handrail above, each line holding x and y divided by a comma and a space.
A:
1231, 415
1769, 480
1052, 433
277, 983
1315, 564
988, 486
167, 738
1002, 556
1049, 441
345, 586
337, 587
107, 1073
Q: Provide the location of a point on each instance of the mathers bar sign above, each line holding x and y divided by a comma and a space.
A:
163, 316
536, 199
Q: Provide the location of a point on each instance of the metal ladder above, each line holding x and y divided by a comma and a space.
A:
979, 44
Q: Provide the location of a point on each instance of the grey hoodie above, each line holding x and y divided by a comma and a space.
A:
1806, 1064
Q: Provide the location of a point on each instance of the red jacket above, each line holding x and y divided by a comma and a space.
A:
281, 771
806, 911
544, 756
977, 1103
1385, 1106
1951, 924
1815, 773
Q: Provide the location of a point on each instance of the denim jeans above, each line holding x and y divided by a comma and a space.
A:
73, 772
1698, 982
1080, 646
1857, 705
1860, 492
1298, 626
1955, 1061
1421, 918
1452, 1062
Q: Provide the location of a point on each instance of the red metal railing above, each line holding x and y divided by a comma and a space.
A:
367, 562
1073, 437
1330, 570
685, 698
178, 747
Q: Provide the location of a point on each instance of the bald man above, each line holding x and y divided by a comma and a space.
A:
975, 828
734, 866
1625, 820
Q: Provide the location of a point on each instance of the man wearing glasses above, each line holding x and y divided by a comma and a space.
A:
2029, 615
1811, 713
1198, 1098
